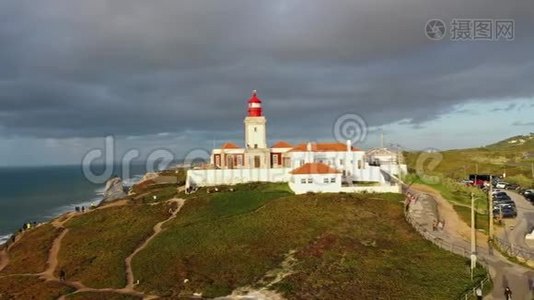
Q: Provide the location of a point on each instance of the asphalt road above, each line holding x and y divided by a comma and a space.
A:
517, 228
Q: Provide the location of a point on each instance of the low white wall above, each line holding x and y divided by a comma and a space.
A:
318, 185
372, 189
213, 177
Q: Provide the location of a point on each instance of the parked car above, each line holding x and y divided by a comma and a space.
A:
503, 196
499, 194
505, 205
501, 185
530, 197
494, 192
528, 192
505, 212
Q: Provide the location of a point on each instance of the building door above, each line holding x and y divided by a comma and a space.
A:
230, 162
256, 161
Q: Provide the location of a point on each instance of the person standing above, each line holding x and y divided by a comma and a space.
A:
508, 293
62, 275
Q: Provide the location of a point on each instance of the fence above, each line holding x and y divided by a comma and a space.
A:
451, 247
514, 251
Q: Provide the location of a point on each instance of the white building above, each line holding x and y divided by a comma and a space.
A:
307, 167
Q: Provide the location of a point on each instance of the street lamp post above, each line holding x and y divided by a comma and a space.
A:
490, 208
473, 244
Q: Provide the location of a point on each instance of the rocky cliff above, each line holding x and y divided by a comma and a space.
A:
114, 190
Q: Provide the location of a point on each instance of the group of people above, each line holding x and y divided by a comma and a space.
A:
82, 208
438, 225
79, 209
25, 226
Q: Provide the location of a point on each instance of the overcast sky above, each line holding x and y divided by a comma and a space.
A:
177, 74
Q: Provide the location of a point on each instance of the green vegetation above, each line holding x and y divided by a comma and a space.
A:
30, 252
163, 192
28, 287
514, 159
98, 242
321, 246
345, 245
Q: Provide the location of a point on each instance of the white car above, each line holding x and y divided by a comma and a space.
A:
501, 185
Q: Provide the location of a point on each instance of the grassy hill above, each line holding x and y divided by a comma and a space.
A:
314, 246
513, 156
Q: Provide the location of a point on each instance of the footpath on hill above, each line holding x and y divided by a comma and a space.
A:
430, 206
50, 273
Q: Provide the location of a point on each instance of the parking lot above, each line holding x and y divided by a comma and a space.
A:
515, 229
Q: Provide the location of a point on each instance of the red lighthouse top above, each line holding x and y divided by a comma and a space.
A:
254, 106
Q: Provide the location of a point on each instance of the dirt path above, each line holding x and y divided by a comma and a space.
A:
502, 271
4, 258
52, 262
454, 225
157, 230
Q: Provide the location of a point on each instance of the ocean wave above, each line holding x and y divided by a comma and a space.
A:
129, 182
4, 238
100, 190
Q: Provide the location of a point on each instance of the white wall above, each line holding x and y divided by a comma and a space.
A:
258, 136
372, 189
318, 185
212, 177
340, 160
395, 169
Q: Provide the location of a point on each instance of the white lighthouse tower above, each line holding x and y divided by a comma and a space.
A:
256, 152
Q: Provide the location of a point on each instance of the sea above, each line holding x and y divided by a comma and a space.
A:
38, 194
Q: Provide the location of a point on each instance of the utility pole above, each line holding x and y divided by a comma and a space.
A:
490, 208
476, 174
473, 245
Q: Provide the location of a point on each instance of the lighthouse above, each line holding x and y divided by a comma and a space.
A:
255, 129
256, 151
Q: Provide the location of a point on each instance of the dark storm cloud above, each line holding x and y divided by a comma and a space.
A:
136, 67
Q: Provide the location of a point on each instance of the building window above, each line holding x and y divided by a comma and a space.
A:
275, 159
303, 180
359, 164
255, 129
310, 180
341, 162
325, 180
255, 146
332, 180
217, 160
239, 160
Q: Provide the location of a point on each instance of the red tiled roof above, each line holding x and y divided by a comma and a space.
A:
229, 146
282, 144
314, 168
322, 147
